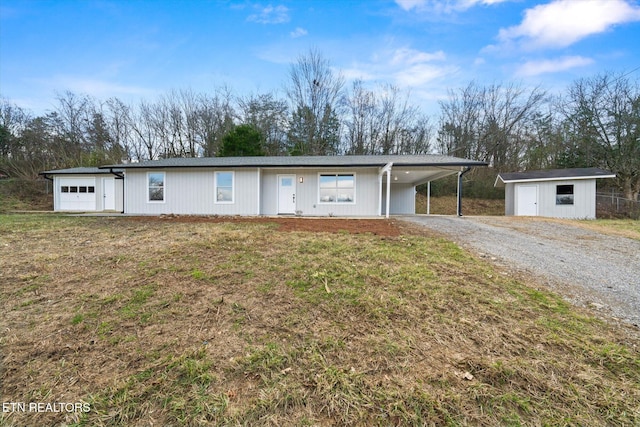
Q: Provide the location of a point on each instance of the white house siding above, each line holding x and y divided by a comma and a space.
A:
119, 194
307, 203
402, 201
584, 202
191, 192
85, 202
509, 199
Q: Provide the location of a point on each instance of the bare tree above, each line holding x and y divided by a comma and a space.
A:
489, 123
315, 93
267, 114
603, 113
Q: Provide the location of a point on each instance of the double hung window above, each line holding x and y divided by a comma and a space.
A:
224, 187
155, 181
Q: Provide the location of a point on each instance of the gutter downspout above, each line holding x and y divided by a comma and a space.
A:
460, 174
119, 175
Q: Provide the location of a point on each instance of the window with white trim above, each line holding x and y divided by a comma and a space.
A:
224, 187
155, 183
337, 188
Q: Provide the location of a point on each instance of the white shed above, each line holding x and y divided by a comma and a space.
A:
556, 193
86, 189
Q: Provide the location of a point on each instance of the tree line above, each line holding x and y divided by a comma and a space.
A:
594, 123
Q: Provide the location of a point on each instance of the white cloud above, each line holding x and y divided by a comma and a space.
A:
421, 74
534, 68
270, 15
298, 32
94, 87
412, 56
564, 22
405, 67
444, 6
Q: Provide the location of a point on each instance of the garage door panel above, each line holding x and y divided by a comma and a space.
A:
77, 194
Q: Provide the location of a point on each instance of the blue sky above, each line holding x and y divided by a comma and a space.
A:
141, 49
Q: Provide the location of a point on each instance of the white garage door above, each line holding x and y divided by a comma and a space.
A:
77, 194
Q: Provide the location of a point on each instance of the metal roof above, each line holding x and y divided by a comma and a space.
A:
302, 161
554, 175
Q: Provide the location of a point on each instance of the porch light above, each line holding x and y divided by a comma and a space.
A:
301, 180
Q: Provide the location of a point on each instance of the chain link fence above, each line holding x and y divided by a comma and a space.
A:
613, 205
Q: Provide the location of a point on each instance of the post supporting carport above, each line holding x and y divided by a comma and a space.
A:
386, 169
460, 174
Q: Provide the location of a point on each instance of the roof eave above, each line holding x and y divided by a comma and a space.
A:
562, 178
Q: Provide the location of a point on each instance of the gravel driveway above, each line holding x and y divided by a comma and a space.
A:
587, 267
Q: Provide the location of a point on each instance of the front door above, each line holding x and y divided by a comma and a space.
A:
528, 200
286, 194
108, 194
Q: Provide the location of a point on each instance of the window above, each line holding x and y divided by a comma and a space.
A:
91, 189
156, 186
337, 188
64, 189
564, 194
224, 187
73, 189
83, 189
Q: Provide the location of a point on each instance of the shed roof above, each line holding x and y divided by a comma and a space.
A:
552, 175
303, 161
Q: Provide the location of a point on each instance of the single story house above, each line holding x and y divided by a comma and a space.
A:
290, 185
556, 193
86, 189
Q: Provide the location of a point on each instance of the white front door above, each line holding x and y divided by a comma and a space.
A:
528, 200
286, 194
108, 194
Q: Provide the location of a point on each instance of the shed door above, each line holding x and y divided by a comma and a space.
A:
77, 194
109, 194
527, 200
286, 194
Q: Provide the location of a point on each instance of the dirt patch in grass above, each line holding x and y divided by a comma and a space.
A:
380, 227
170, 322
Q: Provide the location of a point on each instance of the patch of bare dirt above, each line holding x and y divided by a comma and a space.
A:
379, 227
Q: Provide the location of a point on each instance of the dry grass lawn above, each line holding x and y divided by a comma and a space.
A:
170, 322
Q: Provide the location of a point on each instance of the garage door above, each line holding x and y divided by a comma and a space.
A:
77, 194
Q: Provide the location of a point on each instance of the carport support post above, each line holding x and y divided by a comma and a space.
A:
462, 172
386, 169
429, 198
388, 192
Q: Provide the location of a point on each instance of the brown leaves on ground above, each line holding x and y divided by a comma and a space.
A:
228, 321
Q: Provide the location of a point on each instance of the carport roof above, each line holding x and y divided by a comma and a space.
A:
553, 175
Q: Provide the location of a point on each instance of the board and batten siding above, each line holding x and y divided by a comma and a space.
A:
192, 192
307, 192
584, 199
509, 199
402, 200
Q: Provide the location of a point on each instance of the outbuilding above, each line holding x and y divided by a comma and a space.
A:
556, 193
86, 189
